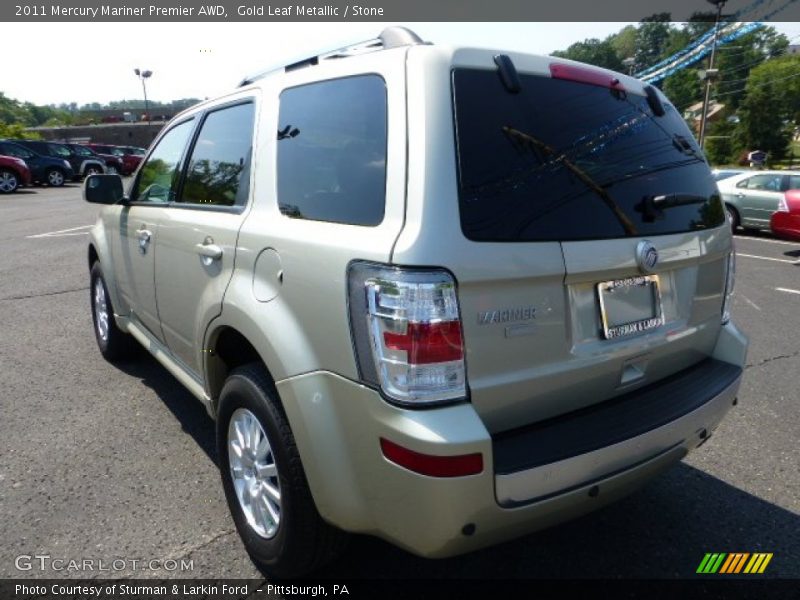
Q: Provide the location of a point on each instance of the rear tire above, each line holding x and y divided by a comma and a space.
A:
733, 217
9, 182
298, 541
55, 177
114, 344
92, 170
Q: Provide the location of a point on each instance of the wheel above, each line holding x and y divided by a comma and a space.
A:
55, 177
8, 181
264, 481
93, 170
112, 170
733, 217
114, 344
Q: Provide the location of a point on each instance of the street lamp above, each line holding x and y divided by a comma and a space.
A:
142, 75
711, 73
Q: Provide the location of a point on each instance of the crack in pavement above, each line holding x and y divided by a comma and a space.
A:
187, 550
772, 359
80, 289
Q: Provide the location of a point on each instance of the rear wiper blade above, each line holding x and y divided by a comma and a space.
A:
652, 207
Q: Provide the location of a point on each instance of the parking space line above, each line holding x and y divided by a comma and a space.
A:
780, 260
744, 237
788, 291
750, 302
61, 232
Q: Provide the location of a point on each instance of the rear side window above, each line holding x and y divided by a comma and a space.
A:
563, 160
332, 151
219, 168
764, 183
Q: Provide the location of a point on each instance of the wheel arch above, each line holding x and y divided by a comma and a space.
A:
227, 348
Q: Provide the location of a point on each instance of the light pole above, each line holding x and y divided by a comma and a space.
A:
710, 73
142, 75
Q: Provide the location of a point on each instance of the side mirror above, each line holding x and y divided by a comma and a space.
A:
103, 189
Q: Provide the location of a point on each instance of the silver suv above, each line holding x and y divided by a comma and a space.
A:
444, 296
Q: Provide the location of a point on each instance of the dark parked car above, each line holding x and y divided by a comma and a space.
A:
111, 153
113, 164
81, 165
13, 173
44, 169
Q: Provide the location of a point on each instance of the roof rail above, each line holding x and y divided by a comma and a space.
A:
391, 37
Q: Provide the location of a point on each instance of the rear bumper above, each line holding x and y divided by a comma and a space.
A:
338, 424
786, 225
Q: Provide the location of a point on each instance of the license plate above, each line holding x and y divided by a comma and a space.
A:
630, 306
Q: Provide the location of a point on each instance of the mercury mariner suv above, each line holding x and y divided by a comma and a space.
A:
444, 296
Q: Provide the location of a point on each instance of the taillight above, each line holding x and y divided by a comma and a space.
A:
782, 205
407, 332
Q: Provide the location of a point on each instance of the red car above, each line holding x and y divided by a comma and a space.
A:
124, 154
13, 173
785, 222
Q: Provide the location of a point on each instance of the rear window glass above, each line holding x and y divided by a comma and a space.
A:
562, 160
332, 151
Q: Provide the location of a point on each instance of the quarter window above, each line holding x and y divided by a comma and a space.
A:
332, 151
158, 177
219, 169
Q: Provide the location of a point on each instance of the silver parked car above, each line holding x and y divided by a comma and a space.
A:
751, 197
439, 295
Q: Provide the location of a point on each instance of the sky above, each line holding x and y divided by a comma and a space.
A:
94, 62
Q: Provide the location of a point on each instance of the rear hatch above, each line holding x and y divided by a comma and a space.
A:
567, 187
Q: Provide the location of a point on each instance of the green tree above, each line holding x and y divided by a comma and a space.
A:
652, 38
770, 111
593, 52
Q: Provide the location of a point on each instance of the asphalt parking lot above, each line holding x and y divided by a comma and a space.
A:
101, 462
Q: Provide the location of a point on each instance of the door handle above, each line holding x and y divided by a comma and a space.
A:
209, 250
740, 195
144, 239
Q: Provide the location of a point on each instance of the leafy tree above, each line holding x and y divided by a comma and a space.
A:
771, 107
683, 88
624, 42
593, 52
652, 38
719, 146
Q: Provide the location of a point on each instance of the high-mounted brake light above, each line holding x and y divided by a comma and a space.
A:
434, 466
407, 332
585, 75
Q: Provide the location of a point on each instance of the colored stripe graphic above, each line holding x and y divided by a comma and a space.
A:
734, 563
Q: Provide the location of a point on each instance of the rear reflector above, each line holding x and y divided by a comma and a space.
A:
433, 466
585, 75
428, 343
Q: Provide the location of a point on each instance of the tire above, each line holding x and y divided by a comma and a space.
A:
112, 170
55, 177
9, 182
114, 344
298, 541
92, 170
733, 217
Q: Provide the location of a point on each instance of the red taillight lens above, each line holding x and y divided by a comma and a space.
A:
428, 343
433, 466
407, 328
584, 75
